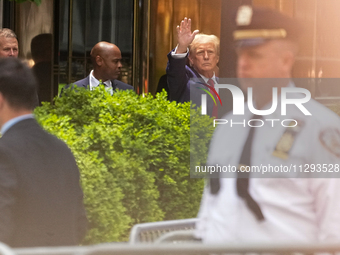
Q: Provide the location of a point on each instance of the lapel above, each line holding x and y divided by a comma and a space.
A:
86, 83
114, 85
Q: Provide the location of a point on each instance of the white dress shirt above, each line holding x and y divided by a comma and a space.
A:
295, 209
95, 83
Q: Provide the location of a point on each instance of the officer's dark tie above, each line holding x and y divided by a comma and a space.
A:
242, 181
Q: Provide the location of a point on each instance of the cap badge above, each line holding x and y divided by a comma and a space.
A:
244, 15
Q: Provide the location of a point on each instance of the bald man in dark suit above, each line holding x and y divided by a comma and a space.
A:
106, 59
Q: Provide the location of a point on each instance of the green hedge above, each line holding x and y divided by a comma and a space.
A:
134, 155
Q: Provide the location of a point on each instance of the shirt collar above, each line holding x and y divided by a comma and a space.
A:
206, 79
94, 82
14, 121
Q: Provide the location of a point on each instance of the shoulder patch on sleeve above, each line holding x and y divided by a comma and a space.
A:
330, 139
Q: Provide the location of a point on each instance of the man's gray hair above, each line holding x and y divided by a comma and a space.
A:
8, 33
203, 38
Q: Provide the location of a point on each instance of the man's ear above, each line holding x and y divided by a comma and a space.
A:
3, 107
2, 101
99, 60
190, 60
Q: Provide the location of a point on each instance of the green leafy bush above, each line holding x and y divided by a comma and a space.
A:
134, 156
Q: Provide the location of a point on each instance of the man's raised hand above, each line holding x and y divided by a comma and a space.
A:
184, 35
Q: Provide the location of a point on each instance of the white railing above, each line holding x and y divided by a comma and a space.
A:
178, 249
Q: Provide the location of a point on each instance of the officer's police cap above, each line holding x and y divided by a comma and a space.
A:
254, 26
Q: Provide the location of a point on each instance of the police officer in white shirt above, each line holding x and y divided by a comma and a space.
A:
284, 181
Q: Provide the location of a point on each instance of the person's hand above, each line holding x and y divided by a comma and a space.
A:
184, 35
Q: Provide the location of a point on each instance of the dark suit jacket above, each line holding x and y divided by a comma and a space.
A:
41, 202
85, 83
185, 83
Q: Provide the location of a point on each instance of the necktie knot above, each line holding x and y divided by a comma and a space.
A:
101, 84
211, 82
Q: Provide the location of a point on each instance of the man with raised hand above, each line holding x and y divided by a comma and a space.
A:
187, 82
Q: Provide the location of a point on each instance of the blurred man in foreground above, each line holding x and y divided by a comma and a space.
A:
295, 199
8, 43
41, 202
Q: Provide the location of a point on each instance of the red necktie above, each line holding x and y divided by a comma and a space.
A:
212, 84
